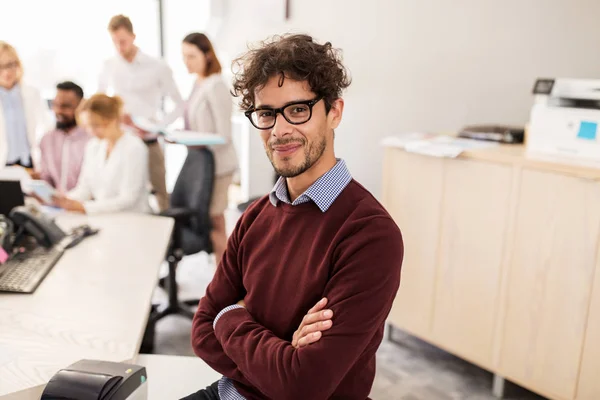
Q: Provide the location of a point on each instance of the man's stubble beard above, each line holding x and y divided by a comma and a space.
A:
312, 154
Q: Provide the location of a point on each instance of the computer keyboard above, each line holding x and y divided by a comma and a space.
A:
25, 271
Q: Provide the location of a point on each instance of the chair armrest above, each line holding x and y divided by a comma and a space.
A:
179, 214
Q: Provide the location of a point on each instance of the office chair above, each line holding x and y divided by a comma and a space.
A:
190, 202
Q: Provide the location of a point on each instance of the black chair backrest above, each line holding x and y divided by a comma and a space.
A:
194, 187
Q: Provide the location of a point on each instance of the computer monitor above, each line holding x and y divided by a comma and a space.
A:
11, 196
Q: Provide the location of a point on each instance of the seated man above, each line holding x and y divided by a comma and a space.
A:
318, 238
62, 149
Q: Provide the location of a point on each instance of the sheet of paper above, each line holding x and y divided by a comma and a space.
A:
446, 146
42, 189
179, 136
400, 140
51, 211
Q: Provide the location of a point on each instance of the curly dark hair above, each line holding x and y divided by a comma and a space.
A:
296, 57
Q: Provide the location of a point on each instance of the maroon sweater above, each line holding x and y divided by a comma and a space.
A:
282, 260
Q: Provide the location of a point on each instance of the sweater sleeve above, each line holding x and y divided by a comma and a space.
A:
225, 289
361, 290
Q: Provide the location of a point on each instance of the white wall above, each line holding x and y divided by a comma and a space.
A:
432, 65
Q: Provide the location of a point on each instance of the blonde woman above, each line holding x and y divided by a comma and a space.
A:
114, 175
23, 115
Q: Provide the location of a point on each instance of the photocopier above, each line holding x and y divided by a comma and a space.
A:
565, 119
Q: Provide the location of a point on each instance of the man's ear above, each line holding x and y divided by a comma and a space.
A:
335, 113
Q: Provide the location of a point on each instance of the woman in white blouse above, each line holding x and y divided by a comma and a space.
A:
208, 109
114, 174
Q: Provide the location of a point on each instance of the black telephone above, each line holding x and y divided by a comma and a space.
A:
31, 220
6, 235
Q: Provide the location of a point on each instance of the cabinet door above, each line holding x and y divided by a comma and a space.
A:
412, 194
550, 281
589, 377
474, 221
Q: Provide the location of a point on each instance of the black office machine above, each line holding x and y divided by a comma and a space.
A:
494, 133
98, 380
32, 221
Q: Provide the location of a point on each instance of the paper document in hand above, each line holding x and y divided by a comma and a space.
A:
192, 138
42, 189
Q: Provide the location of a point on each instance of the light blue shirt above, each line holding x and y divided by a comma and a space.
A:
19, 149
323, 193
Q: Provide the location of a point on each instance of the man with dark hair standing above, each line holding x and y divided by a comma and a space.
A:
141, 81
297, 307
62, 149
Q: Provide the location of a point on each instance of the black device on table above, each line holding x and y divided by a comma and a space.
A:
98, 380
12, 196
34, 249
36, 246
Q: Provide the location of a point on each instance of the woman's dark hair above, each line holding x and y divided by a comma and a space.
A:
201, 41
296, 57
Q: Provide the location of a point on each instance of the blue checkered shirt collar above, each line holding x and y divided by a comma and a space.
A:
323, 192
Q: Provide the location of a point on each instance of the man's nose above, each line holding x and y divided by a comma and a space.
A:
281, 128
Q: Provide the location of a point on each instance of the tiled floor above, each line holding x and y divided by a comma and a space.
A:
407, 369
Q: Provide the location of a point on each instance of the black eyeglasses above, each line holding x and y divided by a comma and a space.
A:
295, 113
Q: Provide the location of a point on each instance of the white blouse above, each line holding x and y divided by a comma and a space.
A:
117, 183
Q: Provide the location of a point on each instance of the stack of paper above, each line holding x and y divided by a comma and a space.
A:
435, 145
401, 140
180, 136
191, 138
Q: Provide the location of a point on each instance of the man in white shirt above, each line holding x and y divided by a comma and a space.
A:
141, 81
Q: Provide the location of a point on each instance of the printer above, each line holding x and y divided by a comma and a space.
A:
565, 119
98, 380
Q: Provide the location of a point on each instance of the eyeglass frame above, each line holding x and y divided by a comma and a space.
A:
309, 103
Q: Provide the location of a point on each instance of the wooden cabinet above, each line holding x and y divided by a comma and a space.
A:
502, 264
551, 273
474, 219
413, 195
589, 375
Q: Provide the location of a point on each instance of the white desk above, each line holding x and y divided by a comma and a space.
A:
174, 377
93, 304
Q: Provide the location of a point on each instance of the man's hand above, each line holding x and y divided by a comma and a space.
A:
313, 324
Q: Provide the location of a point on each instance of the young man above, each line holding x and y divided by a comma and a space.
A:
141, 81
318, 237
62, 149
